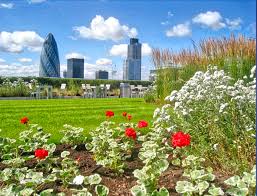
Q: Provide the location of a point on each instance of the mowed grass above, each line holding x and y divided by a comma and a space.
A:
53, 114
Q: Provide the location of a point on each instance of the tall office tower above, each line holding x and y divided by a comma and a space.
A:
133, 61
125, 70
101, 75
75, 68
49, 58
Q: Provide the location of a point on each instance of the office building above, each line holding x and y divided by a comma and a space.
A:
132, 67
75, 68
103, 75
49, 58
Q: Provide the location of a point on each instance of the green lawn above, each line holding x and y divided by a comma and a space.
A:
53, 114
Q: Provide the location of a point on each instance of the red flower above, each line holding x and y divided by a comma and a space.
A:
41, 153
142, 124
24, 120
129, 117
180, 139
109, 113
124, 114
130, 132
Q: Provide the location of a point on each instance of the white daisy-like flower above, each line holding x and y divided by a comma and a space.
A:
78, 180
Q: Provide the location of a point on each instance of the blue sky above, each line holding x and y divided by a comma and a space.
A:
99, 30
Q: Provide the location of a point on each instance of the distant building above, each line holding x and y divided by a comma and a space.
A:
65, 74
132, 67
75, 68
49, 58
101, 75
125, 70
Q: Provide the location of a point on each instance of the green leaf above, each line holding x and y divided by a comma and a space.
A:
26, 192
162, 192
65, 154
163, 165
202, 186
93, 179
185, 187
237, 192
233, 181
47, 192
195, 174
215, 191
101, 190
176, 162
138, 190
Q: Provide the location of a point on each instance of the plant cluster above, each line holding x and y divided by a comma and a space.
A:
112, 145
225, 114
17, 88
234, 54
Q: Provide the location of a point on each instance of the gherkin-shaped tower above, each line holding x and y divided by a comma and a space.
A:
49, 59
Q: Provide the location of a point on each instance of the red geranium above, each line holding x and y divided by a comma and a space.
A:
130, 132
180, 139
129, 117
24, 120
109, 113
124, 114
142, 124
41, 153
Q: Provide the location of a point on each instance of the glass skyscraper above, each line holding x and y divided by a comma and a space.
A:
101, 75
75, 68
49, 59
132, 67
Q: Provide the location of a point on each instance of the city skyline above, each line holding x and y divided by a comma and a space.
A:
99, 31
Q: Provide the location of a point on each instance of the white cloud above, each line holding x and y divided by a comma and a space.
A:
25, 60
146, 49
2, 61
180, 30
103, 61
17, 69
17, 41
211, 19
109, 29
36, 1
75, 55
121, 50
6, 5
234, 24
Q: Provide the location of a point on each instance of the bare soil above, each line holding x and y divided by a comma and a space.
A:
119, 185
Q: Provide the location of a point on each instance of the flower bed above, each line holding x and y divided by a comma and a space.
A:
142, 158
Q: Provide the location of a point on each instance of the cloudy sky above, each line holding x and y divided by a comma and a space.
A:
100, 30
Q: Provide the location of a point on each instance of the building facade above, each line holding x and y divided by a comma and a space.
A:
103, 75
75, 68
49, 58
132, 67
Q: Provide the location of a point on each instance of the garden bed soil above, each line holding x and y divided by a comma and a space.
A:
119, 185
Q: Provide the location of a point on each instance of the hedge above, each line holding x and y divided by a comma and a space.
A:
56, 82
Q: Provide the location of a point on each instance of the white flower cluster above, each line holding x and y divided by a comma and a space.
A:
212, 90
215, 86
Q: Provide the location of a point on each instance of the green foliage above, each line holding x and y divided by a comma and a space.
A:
242, 186
110, 146
235, 55
72, 135
200, 179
